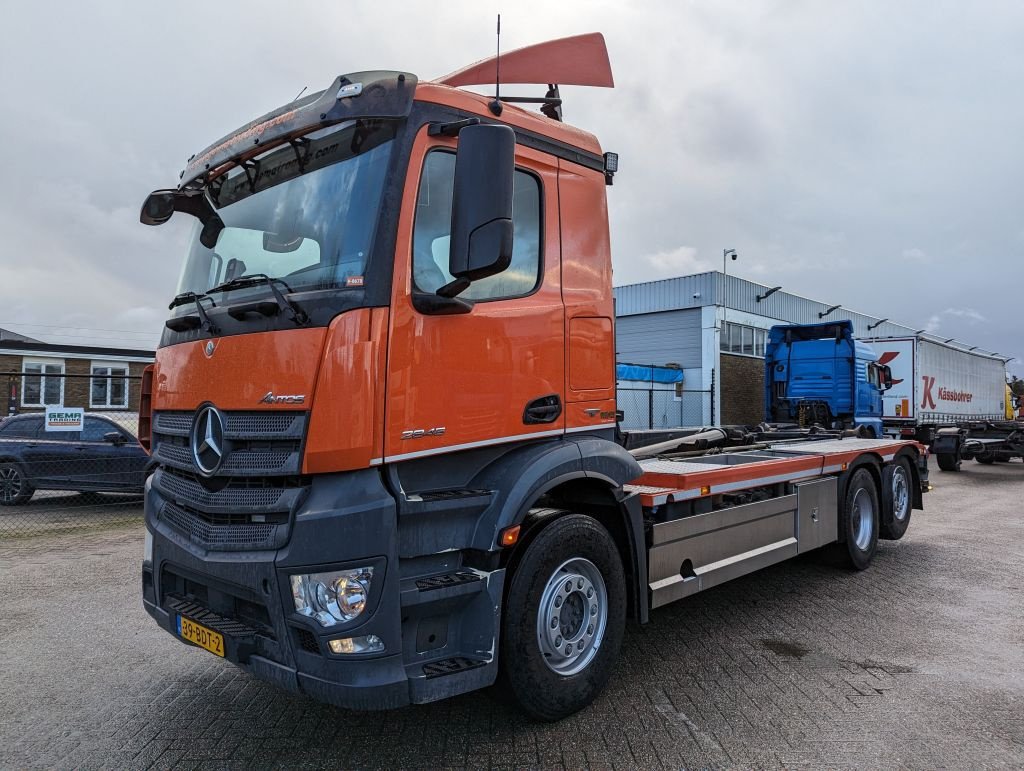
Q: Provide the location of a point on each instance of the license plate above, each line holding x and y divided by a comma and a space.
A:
201, 636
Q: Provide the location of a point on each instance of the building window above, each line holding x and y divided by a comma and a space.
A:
42, 382
109, 386
742, 339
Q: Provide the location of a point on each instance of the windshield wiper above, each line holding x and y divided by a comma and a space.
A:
284, 305
184, 323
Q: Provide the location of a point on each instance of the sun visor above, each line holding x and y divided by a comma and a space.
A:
372, 94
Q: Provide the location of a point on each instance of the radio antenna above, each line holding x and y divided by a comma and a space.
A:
496, 104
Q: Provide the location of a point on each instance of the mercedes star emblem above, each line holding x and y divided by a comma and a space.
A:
208, 440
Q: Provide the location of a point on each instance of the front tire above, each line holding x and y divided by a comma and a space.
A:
858, 522
565, 616
14, 487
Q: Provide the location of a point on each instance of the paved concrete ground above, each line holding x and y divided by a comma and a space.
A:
917, 662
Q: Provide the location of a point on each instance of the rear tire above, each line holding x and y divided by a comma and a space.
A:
14, 487
565, 615
947, 461
858, 522
897, 501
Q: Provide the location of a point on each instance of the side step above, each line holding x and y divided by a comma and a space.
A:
437, 589
451, 666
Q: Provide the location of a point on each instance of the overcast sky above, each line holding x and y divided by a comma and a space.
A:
864, 153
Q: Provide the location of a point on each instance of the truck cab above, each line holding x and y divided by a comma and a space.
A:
820, 374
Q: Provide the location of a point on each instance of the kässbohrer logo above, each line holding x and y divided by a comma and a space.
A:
946, 395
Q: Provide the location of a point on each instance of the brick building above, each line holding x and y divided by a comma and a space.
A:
715, 327
34, 374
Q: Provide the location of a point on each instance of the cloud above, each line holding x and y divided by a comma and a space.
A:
831, 144
969, 314
674, 262
915, 255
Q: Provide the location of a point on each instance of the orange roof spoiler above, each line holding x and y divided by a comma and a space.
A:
580, 60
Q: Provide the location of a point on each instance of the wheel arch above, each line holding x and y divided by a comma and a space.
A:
593, 488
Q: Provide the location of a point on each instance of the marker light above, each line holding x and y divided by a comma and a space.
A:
510, 535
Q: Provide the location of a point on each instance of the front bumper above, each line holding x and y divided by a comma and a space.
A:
438, 641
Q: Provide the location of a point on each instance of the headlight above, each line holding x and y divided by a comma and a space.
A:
332, 598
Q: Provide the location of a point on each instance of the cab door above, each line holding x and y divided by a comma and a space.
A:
496, 373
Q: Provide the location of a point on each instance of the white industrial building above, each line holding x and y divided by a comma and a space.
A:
714, 326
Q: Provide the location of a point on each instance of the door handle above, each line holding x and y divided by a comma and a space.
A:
545, 409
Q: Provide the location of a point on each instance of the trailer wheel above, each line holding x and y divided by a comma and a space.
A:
947, 461
897, 501
14, 487
858, 522
565, 615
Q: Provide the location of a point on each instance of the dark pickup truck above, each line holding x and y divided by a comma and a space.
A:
102, 457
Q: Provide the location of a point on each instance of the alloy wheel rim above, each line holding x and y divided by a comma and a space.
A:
900, 494
10, 484
572, 616
863, 514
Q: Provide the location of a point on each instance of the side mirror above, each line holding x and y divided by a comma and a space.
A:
886, 377
157, 208
113, 437
481, 235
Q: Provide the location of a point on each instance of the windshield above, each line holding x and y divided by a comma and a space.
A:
304, 212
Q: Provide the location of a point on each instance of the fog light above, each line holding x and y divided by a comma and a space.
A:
370, 643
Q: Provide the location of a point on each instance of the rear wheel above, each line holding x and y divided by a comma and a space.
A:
14, 486
858, 522
947, 461
565, 615
897, 500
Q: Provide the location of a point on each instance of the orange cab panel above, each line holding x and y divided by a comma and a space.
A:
591, 358
347, 421
238, 372
465, 380
589, 312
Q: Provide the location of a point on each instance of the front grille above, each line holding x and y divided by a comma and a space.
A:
256, 444
258, 476
231, 497
240, 533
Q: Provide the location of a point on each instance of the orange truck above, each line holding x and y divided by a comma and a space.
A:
383, 409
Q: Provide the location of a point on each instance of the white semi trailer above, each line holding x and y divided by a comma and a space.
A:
937, 384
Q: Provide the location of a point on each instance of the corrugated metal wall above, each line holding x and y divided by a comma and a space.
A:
660, 338
714, 288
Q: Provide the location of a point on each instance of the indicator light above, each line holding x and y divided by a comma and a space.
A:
510, 535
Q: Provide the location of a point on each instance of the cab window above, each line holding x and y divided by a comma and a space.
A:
432, 234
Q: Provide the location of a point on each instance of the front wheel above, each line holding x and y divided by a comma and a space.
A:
14, 486
565, 615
